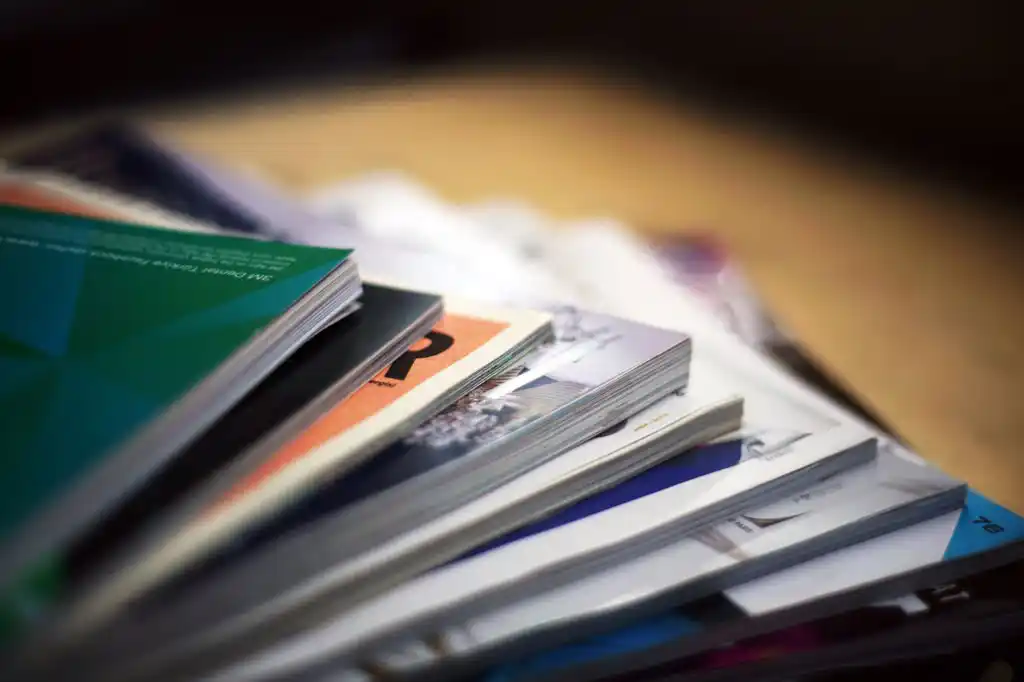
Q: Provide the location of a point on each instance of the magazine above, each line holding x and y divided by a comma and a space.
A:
324, 371
471, 342
221, 313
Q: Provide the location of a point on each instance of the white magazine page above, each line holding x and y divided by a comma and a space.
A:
383, 262
516, 225
534, 240
699, 271
902, 550
569, 249
396, 210
981, 528
608, 266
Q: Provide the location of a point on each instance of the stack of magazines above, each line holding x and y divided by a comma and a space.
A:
366, 435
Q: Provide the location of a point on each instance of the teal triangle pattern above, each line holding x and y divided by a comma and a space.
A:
15, 372
24, 414
159, 360
41, 315
260, 304
94, 345
159, 367
58, 454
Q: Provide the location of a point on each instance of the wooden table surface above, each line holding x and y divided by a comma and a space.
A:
908, 294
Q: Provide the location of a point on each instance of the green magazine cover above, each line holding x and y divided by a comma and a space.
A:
104, 325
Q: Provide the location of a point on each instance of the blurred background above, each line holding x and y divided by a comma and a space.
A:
930, 85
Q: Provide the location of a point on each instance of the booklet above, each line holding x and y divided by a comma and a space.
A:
97, 301
980, 532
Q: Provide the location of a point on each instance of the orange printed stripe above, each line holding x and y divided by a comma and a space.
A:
466, 335
25, 195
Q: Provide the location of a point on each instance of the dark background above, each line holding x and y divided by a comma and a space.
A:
929, 85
